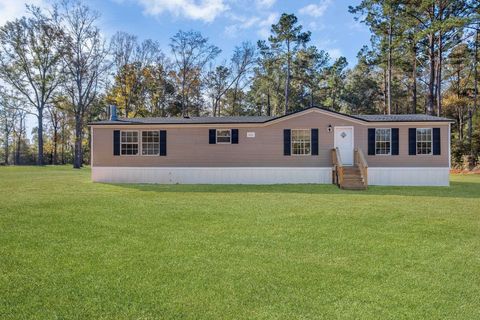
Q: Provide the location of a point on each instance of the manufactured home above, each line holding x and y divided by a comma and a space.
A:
315, 145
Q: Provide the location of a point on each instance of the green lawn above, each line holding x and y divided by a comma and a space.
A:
70, 248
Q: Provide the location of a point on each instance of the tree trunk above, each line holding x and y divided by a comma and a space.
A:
183, 94
287, 81
40, 137
389, 63
55, 144
475, 94
19, 141
311, 97
460, 126
7, 148
77, 160
384, 91
62, 148
269, 107
439, 75
89, 158
235, 96
431, 82
414, 80
16, 158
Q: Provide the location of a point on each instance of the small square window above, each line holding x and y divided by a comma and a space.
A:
129, 143
150, 143
224, 136
301, 142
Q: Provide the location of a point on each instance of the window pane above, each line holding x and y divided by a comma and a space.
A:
150, 142
382, 140
129, 142
301, 143
424, 141
223, 136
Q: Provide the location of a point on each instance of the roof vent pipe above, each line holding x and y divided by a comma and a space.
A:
113, 113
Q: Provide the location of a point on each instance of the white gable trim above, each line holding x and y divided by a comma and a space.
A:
316, 110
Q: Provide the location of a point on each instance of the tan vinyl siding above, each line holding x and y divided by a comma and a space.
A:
187, 145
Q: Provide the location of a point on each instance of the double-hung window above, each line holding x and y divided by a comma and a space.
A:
224, 136
383, 141
424, 140
150, 143
129, 143
301, 142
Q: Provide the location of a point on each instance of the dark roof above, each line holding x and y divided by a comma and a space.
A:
190, 120
263, 119
401, 118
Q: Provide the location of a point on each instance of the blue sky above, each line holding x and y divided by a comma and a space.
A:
229, 22
225, 22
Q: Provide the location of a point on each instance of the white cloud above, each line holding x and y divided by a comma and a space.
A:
12, 9
262, 23
264, 4
243, 24
315, 26
205, 10
334, 53
315, 10
266, 24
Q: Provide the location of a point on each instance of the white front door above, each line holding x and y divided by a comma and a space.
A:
344, 142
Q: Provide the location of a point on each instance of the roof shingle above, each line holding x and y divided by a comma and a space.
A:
263, 119
400, 118
189, 120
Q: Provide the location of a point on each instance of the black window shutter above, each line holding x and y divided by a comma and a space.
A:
234, 136
286, 142
412, 141
395, 144
212, 136
314, 142
163, 142
371, 141
436, 141
116, 142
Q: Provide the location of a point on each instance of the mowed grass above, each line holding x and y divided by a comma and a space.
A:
73, 249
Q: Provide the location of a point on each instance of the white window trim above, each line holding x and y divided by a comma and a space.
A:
138, 143
390, 151
431, 142
141, 144
291, 143
216, 136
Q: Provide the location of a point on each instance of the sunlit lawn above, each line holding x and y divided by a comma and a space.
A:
70, 248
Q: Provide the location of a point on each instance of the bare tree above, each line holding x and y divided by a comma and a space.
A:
242, 63
191, 52
217, 82
84, 61
30, 53
223, 78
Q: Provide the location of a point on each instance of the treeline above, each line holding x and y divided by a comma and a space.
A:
57, 66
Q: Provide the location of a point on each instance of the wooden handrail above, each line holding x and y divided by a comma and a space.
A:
337, 166
362, 164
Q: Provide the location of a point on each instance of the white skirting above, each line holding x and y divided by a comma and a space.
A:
408, 176
222, 175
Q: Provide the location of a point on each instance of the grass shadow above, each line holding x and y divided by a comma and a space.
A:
456, 190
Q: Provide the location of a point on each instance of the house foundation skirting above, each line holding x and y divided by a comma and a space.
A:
212, 175
409, 176
416, 176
